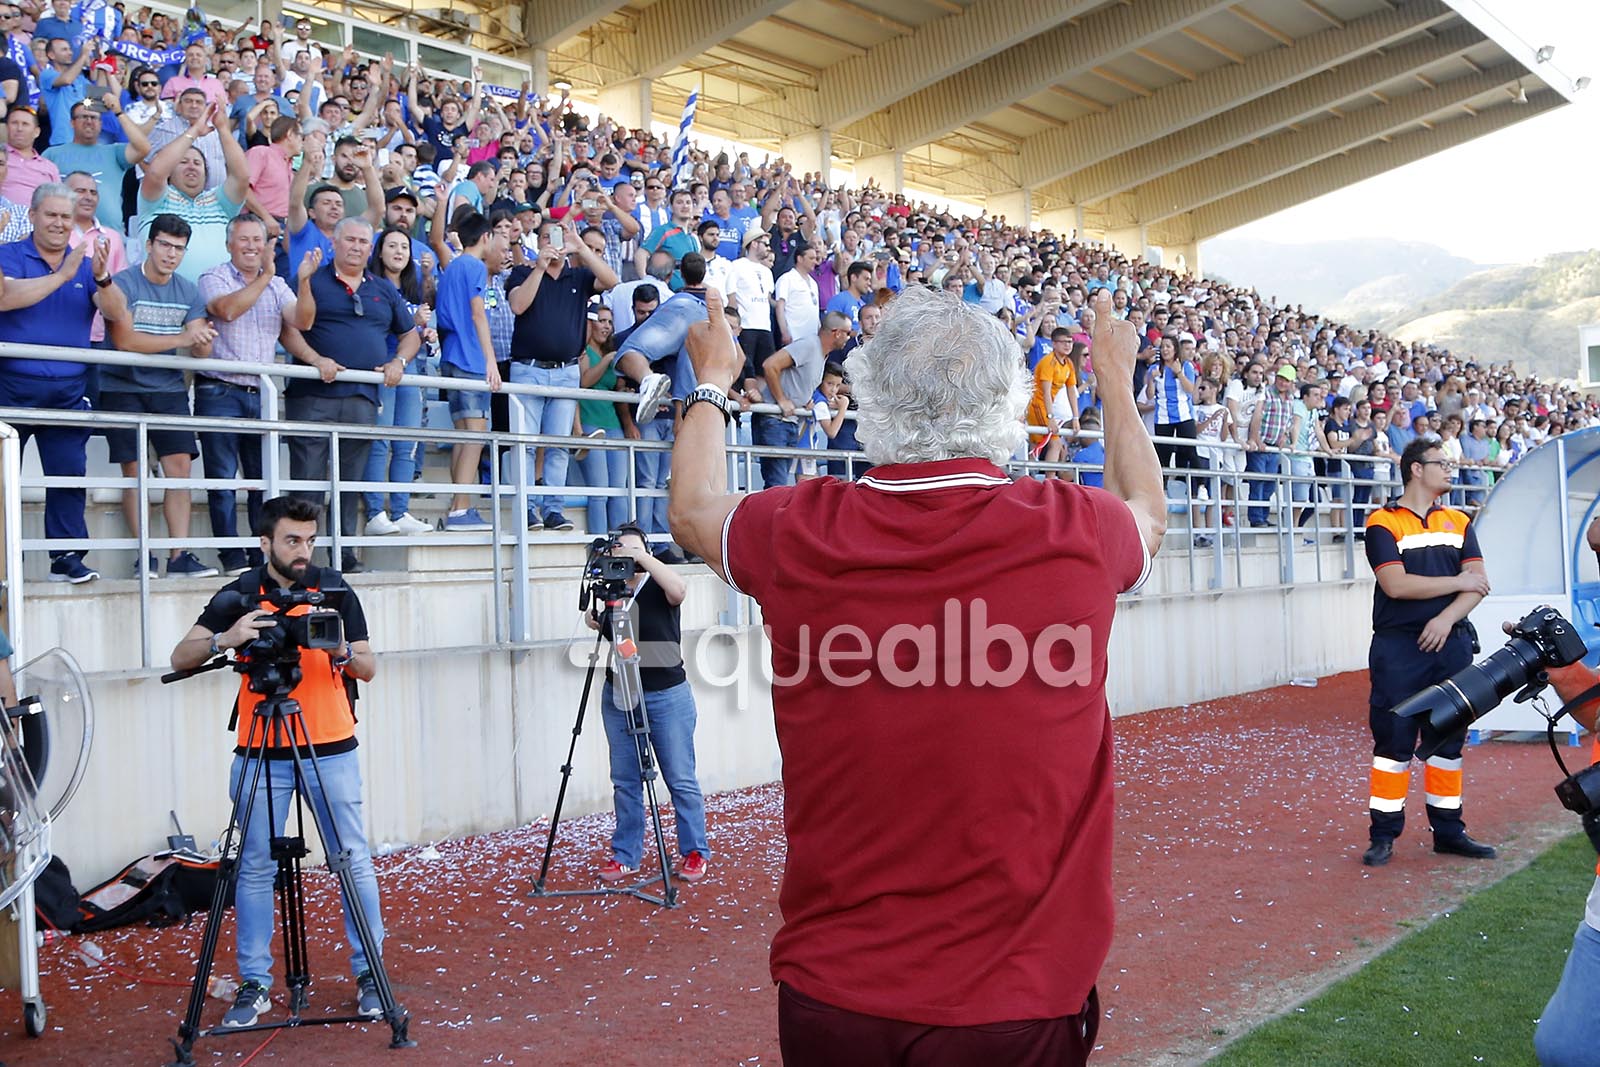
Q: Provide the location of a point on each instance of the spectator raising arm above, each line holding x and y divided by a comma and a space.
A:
237, 184
310, 163
604, 277
160, 168
1132, 470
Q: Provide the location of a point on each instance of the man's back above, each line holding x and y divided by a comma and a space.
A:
989, 897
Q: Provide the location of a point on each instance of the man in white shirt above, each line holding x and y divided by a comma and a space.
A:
799, 300
749, 291
710, 234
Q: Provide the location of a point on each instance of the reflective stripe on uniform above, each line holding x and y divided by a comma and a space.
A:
1431, 539
1441, 780
1389, 781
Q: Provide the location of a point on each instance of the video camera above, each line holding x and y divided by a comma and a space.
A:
319, 629
1541, 640
604, 573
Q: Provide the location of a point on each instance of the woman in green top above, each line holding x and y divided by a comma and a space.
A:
602, 467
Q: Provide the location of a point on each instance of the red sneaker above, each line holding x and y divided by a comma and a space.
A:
693, 867
615, 871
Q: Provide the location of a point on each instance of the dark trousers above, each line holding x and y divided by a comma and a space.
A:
61, 448
229, 455
814, 1034
308, 456
1180, 456
1398, 668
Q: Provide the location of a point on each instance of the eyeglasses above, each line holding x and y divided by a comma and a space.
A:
151, 84
170, 246
649, 186
1446, 465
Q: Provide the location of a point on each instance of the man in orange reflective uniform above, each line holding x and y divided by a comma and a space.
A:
1430, 576
288, 531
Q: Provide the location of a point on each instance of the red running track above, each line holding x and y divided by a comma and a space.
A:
1240, 829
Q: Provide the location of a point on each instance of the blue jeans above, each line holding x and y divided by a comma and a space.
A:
229, 455
602, 468
1473, 478
548, 416
63, 450
394, 461
650, 472
1570, 1026
1261, 489
772, 431
662, 336
672, 719
339, 808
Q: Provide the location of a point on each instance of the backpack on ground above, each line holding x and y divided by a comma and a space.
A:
159, 889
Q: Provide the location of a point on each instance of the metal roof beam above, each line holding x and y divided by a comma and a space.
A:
673, 32
1368, 161
546, 23
1030, 67
1054, 154
1284, 108
1232, 172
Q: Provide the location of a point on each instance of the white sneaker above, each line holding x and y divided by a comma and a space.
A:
380, 525
652, 391
410, 524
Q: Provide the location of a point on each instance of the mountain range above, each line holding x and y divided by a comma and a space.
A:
1528, 313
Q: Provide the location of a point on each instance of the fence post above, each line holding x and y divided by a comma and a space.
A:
521, 626
270, 442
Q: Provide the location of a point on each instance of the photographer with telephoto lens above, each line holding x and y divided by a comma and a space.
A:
655, 592
1569, 1026
1430, 575
245, 616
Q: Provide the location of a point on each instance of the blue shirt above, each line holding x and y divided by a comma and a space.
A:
58, 98
355, 342
61, 319
308, 237
106, 163
1173, 405
849, 305
466, 277
1093, 452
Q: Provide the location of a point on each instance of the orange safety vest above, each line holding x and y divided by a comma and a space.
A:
1569, 681
325, 710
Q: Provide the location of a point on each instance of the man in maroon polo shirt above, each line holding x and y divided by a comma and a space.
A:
945, 735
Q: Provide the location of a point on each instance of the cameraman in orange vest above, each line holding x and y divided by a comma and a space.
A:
1568, 1030
288, 531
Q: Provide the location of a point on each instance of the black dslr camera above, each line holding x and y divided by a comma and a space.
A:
1542, 639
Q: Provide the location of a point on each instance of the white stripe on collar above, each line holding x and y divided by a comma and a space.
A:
968, 479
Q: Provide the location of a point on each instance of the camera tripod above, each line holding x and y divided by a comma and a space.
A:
278, 719
629, 692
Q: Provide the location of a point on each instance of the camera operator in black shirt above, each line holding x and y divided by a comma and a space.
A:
288, 531
656, 591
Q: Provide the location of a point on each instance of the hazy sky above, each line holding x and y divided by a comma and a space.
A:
1513, 195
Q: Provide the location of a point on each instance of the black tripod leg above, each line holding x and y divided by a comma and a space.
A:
289, 851
566, 768
339, 862
227, 877
640, 719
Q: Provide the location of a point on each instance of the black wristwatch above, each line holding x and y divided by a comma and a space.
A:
103, 283
710, 394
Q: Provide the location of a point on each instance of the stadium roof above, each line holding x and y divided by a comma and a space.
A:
1177, 119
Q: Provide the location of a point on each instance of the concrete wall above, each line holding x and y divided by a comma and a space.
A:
472, 738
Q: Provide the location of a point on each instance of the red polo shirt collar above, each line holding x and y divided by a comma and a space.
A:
966, 473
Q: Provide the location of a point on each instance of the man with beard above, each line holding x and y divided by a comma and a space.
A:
288, 533
355, 176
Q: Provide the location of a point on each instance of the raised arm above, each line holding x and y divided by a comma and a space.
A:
698, 501
237, 184
159, 169
1132, 470
310, 163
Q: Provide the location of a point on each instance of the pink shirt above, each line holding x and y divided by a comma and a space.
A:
270, 178
216, 92
116, 260
25, 174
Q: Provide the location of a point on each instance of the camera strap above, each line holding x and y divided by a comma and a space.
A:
1591, 693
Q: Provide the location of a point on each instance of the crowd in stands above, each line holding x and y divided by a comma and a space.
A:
253, 196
